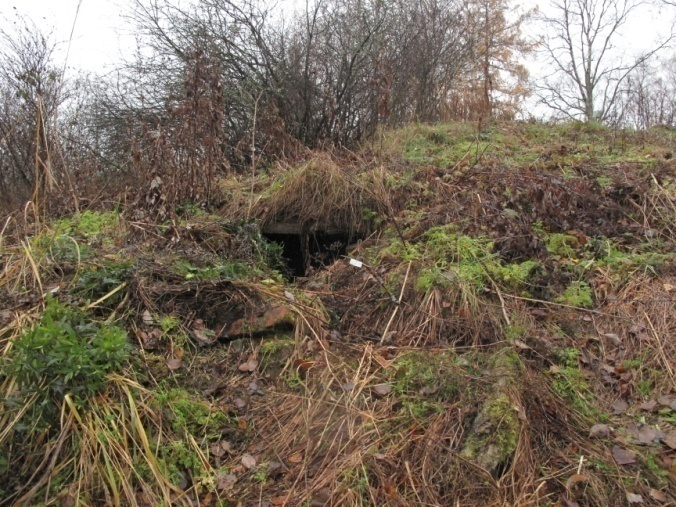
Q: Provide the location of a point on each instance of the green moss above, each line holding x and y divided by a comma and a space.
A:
89, 225
513, 276
564, 245
571, 383
507, 363
494, 435
604, 181
577, 294
189, 414
492, 440
427, 374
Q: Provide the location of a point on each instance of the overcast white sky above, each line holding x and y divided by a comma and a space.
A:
101, 35
99, 31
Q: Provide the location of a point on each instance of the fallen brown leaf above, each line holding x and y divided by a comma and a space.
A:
348, 386
5, 316
174, 363
649, 406
250, 365
382, 390
248, 460
148, 318
568, 503
219, 449
302, 365
522, 345
656, 494
226, 481
666, 401
633, 498
321, 498
204, 337
384, 363
575, 479
647, 435
616, 339
599, 431
623, 456
670, 440
620, 406
296, 457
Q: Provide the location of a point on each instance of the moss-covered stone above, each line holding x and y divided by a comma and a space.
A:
493, 437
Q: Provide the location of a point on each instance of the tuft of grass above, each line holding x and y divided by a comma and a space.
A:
322, 193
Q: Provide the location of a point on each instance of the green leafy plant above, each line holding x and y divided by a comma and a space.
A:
97, 281
226, 270
65, 353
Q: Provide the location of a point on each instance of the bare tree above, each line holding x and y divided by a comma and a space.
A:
32, 90
649, 96
330, 72
587, 72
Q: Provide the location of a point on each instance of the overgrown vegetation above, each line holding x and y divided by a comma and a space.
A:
506, 340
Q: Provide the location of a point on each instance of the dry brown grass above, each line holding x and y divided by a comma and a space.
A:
313, 413
322, 193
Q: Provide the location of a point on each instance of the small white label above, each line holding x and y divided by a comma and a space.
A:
356, 263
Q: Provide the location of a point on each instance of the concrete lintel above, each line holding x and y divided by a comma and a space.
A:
297, 229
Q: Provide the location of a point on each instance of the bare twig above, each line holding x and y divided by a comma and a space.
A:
401, 295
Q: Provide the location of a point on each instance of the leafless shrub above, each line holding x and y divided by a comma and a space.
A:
180, 157
31, 90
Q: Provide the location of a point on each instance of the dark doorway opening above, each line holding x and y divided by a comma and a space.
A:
305, 251
325, 248
292, 252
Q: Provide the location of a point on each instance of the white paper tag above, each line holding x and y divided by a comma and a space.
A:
356, 263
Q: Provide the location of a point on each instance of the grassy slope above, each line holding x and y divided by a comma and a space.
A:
510, 342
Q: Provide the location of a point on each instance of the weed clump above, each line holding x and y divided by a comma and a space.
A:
64, 354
